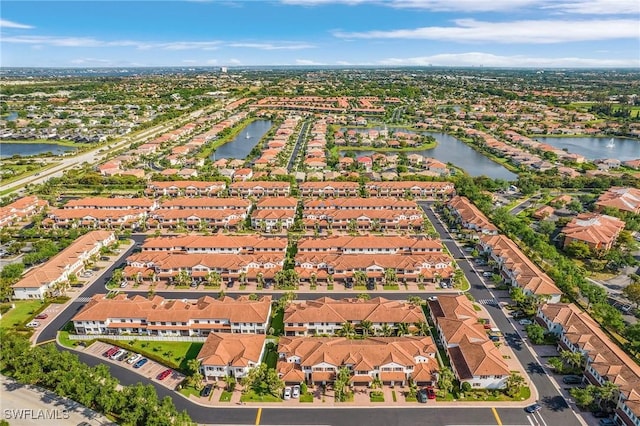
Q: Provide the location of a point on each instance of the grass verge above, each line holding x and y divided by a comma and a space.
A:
251, 396
225, 396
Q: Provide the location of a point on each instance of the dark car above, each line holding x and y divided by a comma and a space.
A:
230, 284
111, 352
431, 393
533, 408
206, 391
601, 414
41, 316
572, 380
422, 396
140, 363
166, 373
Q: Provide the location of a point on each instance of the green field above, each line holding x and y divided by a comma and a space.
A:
23, 312
251, 396
171, 354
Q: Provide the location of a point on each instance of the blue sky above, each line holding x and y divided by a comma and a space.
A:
490, 33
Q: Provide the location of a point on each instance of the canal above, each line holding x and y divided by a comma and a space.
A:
9, 149
243, 143
594, 148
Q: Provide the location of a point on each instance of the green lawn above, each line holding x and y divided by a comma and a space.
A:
225, 396
189, 390
251, 396
271, 359
23, 312
376, 397
307, 397
277, 322
391, 287
171, 354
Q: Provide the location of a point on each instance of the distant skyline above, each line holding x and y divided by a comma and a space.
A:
450, 33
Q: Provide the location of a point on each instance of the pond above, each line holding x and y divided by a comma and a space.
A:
243, 143
9, 149
594, 148
452, 150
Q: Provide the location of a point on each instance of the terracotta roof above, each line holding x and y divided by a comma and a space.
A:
110, 203
473, 359
208, 242
593, 228
206, 203
627, 199
231, 349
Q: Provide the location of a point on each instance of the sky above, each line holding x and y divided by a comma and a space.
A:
451, 33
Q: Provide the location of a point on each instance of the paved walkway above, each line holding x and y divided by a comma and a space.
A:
23, 405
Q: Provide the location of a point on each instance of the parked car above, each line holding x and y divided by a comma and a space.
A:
287, 393
432, 298
104, 258
118, 354
422, 396
295, 391
487, 274
42, 316
140, 363
33, 324
206, 391
572, 380
607, 422
431, 393
601, 415
134, 359
494, 338
525, 321
111, 351
533, 408
486, 326
123, 284
166, 373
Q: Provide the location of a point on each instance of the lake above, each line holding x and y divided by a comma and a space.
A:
243, 143
9, 149
452, 150
594, 148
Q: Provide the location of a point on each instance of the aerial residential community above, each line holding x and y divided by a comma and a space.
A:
272, 240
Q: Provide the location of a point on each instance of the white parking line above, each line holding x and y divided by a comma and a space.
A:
541, 419
531, 421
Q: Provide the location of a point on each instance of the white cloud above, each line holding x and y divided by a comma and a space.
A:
343, 63
597, 7
308, 62
90, 61
211, 61
188, 45
434, 5
528, 32
10, 24
479, 59
234, 61
271, 46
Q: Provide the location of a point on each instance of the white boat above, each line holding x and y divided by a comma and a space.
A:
610, 144
247, 136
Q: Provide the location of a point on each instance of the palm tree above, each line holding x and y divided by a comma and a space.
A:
514, 383
574, 359
607, 394
183, 277
422, 329
214, 279
386, 330
402, 329
390, 277
347, 330
360, 278
367, 327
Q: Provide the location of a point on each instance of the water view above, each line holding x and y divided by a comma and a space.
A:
241, 145
597, 148
9, 149
452, 150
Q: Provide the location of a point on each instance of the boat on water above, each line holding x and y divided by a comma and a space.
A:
247, 136
611, 144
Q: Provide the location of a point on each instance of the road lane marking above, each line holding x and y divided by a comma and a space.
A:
495, 414
541, 419
258, 416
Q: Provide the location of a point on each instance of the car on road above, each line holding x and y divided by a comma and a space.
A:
135, 358
422, 396
33, 324
41, 316
607, 422
206, 391
431, 394
295, 391
166, 373
525, 321
432, 298
287, 393
572, 380
140, 363
533, 408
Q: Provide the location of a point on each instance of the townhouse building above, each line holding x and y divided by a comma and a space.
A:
185, 188
21, 209
620, 198
43, 279
474, 357
392, 360
259, 189
598, 231
157, 316
219, 243
200, 213
516, 269
95, 218
329, 189
230, 355
108, 203
469, 216
326, 316
419, 190
274, 213
604, 360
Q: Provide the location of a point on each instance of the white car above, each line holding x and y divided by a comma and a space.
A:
287, 393
525, 322
432, 298
118, 354
295, 391
33, 324
134, 359
487, 274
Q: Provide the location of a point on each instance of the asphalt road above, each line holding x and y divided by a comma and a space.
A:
301, 136
555, 409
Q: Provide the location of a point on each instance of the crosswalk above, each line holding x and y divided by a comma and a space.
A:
83, 299
487, 301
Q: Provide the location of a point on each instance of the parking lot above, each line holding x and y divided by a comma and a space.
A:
150, 369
